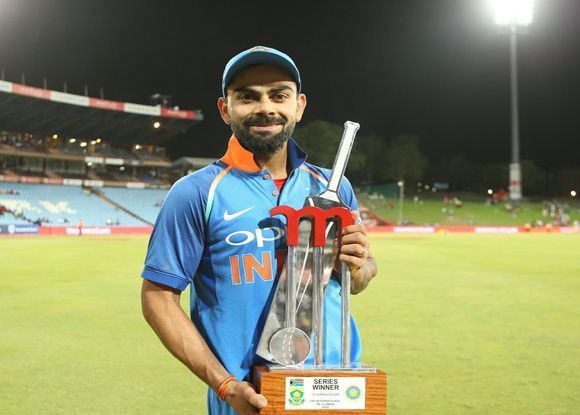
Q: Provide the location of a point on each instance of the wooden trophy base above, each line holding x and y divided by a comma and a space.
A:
321, 391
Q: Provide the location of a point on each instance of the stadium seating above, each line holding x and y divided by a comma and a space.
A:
143, 202
68, 205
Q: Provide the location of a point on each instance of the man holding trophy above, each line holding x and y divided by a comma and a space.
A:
264, 291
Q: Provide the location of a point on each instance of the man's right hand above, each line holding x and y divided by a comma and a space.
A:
162, 310
244, 399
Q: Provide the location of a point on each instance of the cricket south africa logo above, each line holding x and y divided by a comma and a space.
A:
296, 391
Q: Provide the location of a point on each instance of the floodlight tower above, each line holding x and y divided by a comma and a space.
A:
401, 184
514, 14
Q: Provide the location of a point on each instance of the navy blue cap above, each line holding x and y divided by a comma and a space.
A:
256, 56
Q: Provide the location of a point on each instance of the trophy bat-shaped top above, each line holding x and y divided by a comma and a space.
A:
318, 216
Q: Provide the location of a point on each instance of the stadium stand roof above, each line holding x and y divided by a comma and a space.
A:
46, 112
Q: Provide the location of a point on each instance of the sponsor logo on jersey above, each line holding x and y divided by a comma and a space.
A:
230, 216
259, 235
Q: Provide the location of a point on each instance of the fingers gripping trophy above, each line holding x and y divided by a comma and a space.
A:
297, 379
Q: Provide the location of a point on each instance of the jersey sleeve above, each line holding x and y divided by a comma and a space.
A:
177, 242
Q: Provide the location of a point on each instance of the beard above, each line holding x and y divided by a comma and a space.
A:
263, 144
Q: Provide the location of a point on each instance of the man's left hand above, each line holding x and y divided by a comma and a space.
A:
355, 252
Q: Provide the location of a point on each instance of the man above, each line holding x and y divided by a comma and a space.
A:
214, 232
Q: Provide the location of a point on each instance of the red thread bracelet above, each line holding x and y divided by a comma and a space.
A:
222, 389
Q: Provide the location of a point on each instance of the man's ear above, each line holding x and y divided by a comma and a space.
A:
222, 104
300, 107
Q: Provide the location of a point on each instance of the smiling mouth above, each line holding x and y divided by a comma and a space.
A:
264, 127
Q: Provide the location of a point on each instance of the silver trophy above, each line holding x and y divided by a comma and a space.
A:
294, 327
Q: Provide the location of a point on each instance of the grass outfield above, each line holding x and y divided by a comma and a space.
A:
464, 324
473, 212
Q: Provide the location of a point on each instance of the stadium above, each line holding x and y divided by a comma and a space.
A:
60, 178
475, 305
73, 181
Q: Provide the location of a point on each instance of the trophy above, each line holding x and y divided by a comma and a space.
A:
297, 379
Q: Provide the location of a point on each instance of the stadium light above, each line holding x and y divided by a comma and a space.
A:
98, 140
72, 140
514, 14
489, 191
401, 184
83, 144
55, 136
137, 147
518, 12
93, 142
156, 124
573, 193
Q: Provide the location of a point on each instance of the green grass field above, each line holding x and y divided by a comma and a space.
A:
463, 324
474, 212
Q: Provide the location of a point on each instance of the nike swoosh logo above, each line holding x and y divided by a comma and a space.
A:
230, 216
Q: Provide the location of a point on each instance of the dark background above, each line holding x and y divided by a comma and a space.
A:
435, 69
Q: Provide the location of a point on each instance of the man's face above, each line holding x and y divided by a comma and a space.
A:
263, 107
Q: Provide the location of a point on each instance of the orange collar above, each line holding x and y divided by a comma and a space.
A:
242, 159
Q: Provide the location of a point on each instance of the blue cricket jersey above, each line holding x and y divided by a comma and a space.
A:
215, 232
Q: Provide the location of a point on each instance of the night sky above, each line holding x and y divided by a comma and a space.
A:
437, 69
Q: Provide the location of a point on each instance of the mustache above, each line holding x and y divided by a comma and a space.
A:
264, 120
